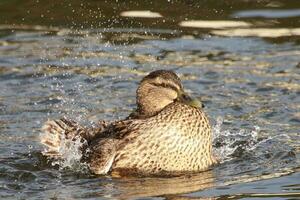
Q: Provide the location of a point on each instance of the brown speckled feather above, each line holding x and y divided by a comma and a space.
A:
159, 144
176, 139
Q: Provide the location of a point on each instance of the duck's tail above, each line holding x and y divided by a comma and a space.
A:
57, 133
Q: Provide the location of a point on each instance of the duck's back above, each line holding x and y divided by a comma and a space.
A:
178, 139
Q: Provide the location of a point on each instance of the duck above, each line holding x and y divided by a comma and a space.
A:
168, 133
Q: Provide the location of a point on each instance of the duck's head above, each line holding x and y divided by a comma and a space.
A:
159, 89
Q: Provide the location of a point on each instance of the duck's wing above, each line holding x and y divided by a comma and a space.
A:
114, 130
57, 132
101, 155
100, 142
103, 149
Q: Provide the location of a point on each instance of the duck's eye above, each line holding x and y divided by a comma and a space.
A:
166, 85
186, 97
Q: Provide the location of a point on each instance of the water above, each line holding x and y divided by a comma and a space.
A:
84, 60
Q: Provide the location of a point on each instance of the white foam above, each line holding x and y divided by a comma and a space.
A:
71, 154
230, 141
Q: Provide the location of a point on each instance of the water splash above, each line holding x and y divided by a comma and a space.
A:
70, 151
229, 144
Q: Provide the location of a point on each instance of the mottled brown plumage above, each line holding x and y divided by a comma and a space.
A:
168, 133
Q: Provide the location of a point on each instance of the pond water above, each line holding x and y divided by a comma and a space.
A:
84, 59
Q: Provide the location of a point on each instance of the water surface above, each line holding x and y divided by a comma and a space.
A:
84, 60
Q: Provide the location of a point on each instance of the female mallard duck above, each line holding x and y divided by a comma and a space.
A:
168, 133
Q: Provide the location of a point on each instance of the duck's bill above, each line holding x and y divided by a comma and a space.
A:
187, 99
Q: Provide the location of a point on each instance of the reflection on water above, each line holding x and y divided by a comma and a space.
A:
213, 24
259, 32
268, 13
137, 187
250, 86
140, 13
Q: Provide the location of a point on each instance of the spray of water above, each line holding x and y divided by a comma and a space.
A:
70, 151
228, 144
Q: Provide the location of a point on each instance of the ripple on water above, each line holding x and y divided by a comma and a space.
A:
86, 77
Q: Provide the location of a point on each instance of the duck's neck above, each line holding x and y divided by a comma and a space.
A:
139, 114
151, 99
